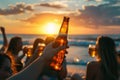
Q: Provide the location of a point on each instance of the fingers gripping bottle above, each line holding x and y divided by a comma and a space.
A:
60, 40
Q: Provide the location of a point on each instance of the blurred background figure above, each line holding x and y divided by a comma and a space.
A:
15, 46
37, 42
49, 39
35, 51
5, 42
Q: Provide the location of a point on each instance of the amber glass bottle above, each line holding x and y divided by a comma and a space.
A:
60, 40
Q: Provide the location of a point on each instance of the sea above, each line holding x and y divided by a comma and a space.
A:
77, 57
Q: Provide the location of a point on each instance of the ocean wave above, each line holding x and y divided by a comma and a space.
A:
70, 43
73, 40
83, 43
81, 62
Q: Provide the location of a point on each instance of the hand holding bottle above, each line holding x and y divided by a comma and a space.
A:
61, 39
49, 51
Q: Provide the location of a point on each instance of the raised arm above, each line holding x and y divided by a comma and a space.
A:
33, 71
5, 42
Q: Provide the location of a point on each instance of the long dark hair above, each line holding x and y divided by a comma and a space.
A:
35, 44
107, 53
13, 50
13, 44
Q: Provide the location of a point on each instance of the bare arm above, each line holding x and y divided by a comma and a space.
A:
5, 42
33, 71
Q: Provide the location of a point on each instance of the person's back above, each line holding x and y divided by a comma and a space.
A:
94, 71
5, 66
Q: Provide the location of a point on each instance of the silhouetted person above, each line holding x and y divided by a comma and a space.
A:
36, 43
49, 39
15, 46
106, 66
33, 51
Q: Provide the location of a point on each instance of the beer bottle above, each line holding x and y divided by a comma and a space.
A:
60, 40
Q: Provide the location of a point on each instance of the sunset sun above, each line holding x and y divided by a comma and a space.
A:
51, 28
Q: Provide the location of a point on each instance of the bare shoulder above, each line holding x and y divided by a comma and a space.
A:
92, 70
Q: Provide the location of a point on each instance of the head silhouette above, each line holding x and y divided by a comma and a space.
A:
15, 45
49, 39
36, 43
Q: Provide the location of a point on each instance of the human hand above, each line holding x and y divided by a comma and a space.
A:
2, 29
49, 51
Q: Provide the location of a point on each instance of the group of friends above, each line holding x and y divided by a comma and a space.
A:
106, 67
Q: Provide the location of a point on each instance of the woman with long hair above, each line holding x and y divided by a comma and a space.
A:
15, 46
106, 66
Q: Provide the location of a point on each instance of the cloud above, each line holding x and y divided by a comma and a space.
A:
55, 5
16, 9
42, 18
105, 14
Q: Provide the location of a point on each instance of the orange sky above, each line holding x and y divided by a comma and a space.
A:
29, 17
39, 24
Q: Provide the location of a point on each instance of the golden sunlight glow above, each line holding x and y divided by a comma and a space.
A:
51, 28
